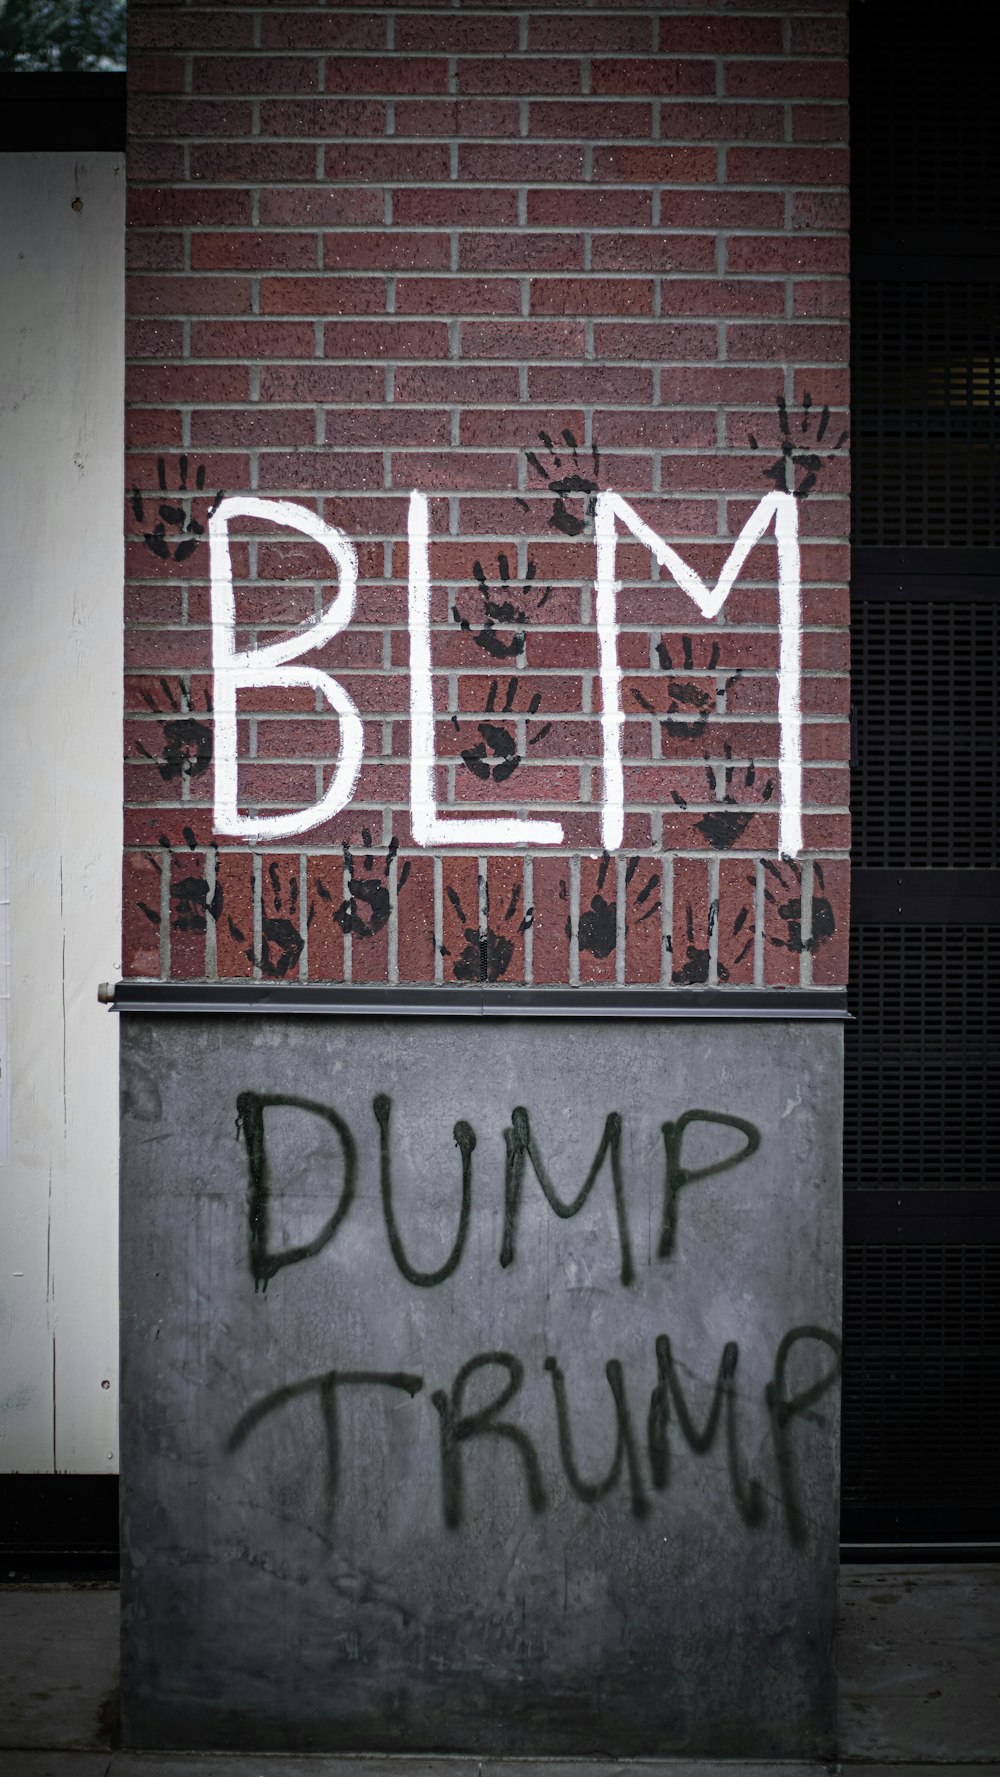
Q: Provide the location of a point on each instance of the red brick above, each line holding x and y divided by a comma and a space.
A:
589, 209
305, 471
250, 429
737, 922
659, 78
170, 28
415, 903
386, 339
234, 926
655, 166
691, 927
518, 75
450, 384
152, 428
282, 916
458, 296
386, 252
311, 29
255, 74
782, 923
455, 208
322, 119
324, 295
722, 209
592, 36
156, 74
187, 296
512, 340
186, 207
820, 123
460, 919
454, 35
597, 930
825, 298
521, 251
589, 384
788, 253
819, 36
386, 74
253, 163
792, 79
248, 340
717, 122
251, 252
643, 920
156, 162
653, 252
787, 166
520, 163
506, 919
820, 209
375, 163
141, 916
716, 36
550, 930
177, 118
319, 208
790, 343
587, 120
591, 296
656, 342
831, 903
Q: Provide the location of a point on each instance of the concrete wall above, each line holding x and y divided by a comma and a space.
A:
61, 382
415, 1458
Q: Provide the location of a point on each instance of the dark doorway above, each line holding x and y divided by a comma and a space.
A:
922, 1112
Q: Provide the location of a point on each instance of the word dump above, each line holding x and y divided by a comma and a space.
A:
271, 666
521, 1150
643, 1462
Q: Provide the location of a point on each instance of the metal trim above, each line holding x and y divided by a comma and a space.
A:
261, 998
925, 897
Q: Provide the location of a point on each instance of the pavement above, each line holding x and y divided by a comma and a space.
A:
919, 1692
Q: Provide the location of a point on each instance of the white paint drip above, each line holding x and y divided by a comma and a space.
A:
252, 668
778, 509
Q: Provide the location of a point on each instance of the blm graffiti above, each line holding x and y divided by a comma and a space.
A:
655, 1424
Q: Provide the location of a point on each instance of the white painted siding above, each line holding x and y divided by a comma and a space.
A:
61, 564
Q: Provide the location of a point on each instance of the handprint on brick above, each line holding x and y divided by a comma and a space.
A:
789, 908
187, 742
191, 906
487, 956
368, 906
740, 925
691, 707
567, 481
723, 826
598, 931
281, 942
501, 609
495, 754
185, 531
693, 971
642, 895
782, 472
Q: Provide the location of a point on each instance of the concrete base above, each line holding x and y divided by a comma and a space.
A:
426, 1447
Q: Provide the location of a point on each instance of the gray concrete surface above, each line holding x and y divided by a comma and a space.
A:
570, 1490
919, 1691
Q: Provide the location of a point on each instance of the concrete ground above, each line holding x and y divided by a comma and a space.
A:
919, 1691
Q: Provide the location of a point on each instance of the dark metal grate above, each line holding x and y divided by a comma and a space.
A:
921, 1375
922, 1060
927, 739
923, 120
924, 414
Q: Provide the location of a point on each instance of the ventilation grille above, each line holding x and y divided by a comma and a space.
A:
925, 676
923, 120
924, 419
921, 1375
922, 1060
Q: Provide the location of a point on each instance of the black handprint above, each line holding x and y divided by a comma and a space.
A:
790, 909
693, 972
691, 706
191, 907
564, 486
190, 530
722, 827
497, 740
643, 894
281, 941
501, 610
368, 906
187, 743
782, 472
487, 957
599, 924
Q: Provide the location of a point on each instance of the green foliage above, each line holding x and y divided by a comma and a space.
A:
62, 36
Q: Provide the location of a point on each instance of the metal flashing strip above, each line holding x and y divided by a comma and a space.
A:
488, 1002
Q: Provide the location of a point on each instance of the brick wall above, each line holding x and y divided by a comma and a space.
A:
488, 253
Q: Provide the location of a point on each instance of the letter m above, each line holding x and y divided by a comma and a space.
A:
777, 509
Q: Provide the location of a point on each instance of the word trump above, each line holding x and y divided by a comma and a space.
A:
272, 666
